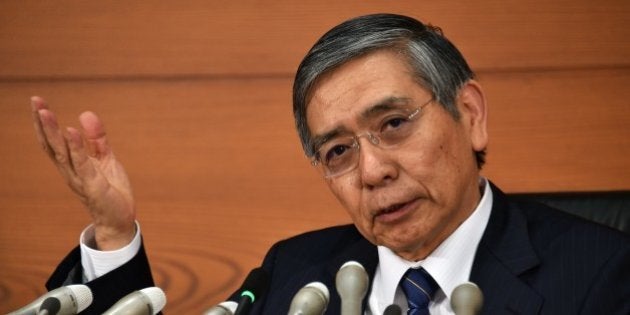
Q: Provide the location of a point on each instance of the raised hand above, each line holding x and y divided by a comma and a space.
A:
89, 167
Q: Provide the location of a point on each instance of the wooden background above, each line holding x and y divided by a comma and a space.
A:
196, 100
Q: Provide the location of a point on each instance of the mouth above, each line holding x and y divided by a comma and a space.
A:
391, 208
394, 212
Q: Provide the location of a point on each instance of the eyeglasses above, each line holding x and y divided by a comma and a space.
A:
340, 155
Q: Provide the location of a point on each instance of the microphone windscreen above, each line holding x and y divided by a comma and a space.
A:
83, 294
146, 301
393, 310
352, 280
466, 299
72, 299
156, 297
352, 283
223, 308
312, 299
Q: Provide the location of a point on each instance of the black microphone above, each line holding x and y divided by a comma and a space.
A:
312, 299
466, 299
393, 310
253, 288
352, 283
72, 300
149, 300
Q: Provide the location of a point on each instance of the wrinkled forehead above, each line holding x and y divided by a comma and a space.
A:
362, 88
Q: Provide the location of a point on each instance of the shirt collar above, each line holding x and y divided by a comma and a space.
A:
449, 264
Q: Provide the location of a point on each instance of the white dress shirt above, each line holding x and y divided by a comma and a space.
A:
449, 264
97, 263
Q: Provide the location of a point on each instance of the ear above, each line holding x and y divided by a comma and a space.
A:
471, 102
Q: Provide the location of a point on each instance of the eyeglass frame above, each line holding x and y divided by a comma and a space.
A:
373, 137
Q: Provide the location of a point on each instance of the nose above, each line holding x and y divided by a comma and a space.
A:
376, 165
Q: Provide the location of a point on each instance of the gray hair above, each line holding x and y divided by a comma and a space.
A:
437, 64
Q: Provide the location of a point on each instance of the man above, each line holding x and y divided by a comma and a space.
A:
389, 111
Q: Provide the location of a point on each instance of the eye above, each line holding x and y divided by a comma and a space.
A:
335, 153
393, 123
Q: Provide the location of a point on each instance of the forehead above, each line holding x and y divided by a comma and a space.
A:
339, 97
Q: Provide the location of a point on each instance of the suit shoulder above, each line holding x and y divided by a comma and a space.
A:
323, 240
316, 248
548, 223
559, 238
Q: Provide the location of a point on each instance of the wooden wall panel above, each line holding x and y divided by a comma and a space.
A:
219, 175
192, 38
196, 98
559, 130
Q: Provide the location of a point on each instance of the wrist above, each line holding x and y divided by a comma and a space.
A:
107, 238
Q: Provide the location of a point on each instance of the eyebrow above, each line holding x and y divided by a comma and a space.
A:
384, 105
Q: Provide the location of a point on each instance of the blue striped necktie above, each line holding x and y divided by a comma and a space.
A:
419, 288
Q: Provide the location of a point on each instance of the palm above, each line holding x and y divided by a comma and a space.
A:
89, 167
108, 195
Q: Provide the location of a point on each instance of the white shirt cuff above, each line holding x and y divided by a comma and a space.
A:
97, 263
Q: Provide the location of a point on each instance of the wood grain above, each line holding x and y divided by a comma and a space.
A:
84, 39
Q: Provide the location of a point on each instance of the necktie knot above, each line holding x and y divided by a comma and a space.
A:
419, 287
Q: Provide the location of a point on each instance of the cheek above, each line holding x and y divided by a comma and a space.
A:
348, 196
435, 165
426, 155
444, 146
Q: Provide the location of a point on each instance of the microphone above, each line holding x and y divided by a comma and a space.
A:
72, 299
254, 286
352, 284
466, 299
312, 299
393, 310
223, 308
50, 306
149, 300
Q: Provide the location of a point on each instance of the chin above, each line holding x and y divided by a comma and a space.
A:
398, 244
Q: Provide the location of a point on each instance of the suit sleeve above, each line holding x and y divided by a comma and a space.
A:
110, 287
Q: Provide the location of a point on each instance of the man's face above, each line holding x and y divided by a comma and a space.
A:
412, 197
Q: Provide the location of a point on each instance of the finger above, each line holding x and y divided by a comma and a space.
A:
38, 103
57, 146
76, 154
45, 123
51, 133
79, 158
95, 135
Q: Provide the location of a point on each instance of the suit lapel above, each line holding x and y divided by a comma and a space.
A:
504, 253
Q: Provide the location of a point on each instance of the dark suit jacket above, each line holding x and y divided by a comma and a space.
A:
531, 260
109, 288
